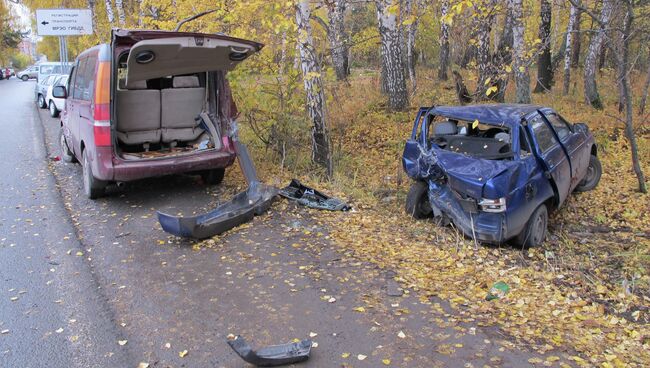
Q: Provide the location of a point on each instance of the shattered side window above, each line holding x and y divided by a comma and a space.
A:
543, 134
560, 126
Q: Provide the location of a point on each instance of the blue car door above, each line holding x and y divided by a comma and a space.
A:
575, 143
553, 156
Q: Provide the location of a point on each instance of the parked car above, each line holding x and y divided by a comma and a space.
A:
162, 106
6, 72
56, 105
496, 171
40, 91
29, 73
54, 67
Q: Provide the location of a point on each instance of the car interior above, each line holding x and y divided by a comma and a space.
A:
161, 116
472, 139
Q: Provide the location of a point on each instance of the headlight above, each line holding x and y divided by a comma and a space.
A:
493, 205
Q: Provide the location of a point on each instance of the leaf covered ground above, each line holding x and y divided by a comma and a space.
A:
585, 293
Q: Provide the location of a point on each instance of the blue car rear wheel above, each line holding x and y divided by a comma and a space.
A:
417, 201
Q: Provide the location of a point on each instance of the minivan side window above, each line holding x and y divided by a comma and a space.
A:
77, 80
543, 134
84, 80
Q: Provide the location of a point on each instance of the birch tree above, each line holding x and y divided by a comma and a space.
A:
394, 80
573, 15
544, 65
411, 23
485, 14
313, 84
109, 12
522, 79
338, 37
444, 40
577, 40
92, 5
121, 17
595, 48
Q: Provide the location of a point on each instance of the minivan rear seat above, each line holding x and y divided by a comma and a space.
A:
181, 105
138, 114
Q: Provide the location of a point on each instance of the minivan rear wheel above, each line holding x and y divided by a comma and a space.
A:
93, 188
213, 177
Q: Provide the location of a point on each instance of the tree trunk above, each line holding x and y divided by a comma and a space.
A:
92, 5
411, 29
577, 41
623, 60
109, 12
522, 79
140, 13
120, 12
313, 85
485, 16
544, 66
444, 41
573, 16
504, 49
593, 53
646, 86
338, 38
391, 54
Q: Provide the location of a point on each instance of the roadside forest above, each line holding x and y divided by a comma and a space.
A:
330, 100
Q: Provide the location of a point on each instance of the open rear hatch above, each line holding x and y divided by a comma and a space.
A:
155, 54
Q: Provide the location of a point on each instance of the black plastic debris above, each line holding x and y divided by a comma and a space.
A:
274, 355
256, 200
310, 197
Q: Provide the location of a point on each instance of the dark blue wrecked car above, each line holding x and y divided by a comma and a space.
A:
495, 171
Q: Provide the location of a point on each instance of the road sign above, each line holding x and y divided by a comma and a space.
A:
64, 22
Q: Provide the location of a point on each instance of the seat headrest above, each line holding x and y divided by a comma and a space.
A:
446, 128
190, 81
133, 85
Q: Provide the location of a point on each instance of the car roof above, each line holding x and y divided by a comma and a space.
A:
491, 114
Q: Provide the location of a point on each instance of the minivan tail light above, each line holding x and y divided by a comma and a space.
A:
102, 109
102, 101
102, 132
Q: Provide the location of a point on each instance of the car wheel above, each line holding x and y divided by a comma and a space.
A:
41, 102
66, 154
417, 201
93, 188
534, 233
213, 177
591, 179
24, 78
54, 112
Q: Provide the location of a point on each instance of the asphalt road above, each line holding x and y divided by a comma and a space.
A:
98, 284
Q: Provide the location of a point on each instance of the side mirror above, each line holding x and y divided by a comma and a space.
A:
580, 127
59, 92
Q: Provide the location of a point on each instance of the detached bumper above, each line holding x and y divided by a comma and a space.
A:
482, 226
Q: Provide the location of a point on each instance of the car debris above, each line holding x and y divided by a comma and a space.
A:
312, 198
274, 355
498, 291
255, 200
496, 171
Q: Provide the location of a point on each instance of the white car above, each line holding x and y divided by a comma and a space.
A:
56, 105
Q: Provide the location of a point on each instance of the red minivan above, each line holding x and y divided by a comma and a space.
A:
151, 103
